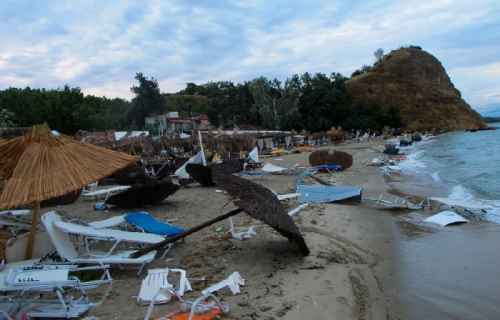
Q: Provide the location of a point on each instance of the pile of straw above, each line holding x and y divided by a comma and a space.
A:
330, 156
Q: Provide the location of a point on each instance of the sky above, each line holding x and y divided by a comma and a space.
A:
100, 45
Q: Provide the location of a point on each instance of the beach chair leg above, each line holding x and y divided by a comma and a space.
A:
167, 250
141, 268
63, 303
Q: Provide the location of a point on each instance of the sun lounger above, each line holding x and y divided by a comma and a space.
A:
19, 281
16, 218
65, 248
271, 168
15, 213
147, 223
105, 193
108, 223
108, 234
325, 194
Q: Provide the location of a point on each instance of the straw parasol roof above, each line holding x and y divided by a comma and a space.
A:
41, 165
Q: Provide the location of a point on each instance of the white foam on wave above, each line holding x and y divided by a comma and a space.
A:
413, 162
488, 210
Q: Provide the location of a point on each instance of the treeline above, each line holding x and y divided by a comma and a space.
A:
302, 102
67, 109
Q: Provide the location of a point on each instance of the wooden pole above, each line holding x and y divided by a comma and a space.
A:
186, 233
34, 227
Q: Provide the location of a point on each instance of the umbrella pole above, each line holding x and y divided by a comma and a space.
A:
186, 233
34, 227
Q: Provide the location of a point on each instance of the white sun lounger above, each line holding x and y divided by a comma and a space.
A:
15, 218
108, 223
108, 234
22, 282
15, 213
65, 248
105, 193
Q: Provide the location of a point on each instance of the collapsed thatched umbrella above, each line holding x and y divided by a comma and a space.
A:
41, 165
256, 200
203, 174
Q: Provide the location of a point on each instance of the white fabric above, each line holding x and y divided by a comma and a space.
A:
269, 167
445, 218
254, 155
233, 282
197, 158
111, 234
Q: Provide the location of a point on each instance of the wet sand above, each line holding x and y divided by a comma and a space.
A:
363, 264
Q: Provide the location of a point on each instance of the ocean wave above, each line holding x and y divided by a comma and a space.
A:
488, 210
413, 162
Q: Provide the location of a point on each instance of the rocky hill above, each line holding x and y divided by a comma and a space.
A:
415, 82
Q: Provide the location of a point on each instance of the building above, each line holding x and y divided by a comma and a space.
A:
171, 122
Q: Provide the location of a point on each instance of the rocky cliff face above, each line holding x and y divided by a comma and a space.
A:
415, 82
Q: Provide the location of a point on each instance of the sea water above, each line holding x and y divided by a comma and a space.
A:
459, 165
451, 273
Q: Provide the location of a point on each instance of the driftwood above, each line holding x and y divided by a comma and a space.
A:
330, 156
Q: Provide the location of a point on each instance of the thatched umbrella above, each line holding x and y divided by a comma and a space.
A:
257, 201
41, 165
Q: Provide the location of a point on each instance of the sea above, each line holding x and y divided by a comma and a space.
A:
461, 166
452, 272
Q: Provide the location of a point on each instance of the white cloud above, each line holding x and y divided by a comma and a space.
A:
99, 46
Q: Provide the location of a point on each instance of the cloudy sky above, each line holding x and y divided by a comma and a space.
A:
100, 45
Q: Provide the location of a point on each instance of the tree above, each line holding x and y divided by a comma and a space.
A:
379, 54
264, 102
148, 100
6, 118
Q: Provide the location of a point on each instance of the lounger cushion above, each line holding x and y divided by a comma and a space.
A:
150, 225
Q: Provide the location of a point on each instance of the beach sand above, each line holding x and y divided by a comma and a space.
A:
344, 277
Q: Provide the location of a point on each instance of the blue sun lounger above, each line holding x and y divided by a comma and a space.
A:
149, 224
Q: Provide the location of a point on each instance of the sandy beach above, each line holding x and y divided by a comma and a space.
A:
340, 279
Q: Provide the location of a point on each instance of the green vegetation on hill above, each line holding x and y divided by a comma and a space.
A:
302, 102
